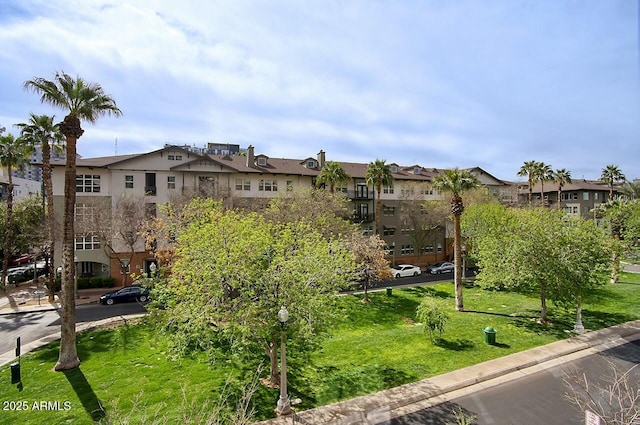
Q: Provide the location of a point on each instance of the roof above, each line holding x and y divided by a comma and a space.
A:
577, 184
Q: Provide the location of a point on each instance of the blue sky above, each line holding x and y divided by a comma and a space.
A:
435, 83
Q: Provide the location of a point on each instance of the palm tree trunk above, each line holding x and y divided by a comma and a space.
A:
378, 210
68, 357
8, 228
457, 261
51, 222
559, 196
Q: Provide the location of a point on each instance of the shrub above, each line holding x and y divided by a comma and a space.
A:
432, 312
83, 282
95, 282
108, 282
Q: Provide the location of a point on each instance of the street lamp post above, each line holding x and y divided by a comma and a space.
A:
283, 407
579, 327
393, 251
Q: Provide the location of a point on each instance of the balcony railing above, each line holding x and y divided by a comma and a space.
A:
363, 218
150, 190
357, 194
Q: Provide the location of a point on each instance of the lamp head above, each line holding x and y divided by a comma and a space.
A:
283, 315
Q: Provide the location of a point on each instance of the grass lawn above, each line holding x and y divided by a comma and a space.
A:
374, 347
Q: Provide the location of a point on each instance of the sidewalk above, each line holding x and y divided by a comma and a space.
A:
386, 405
29, 297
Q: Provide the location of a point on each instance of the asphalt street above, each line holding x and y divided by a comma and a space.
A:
537, 399
32, 326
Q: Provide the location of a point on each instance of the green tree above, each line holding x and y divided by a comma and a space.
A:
41, 131
371, 264
456, 182
332, 173
537, 251
529, 170
14, 154
432, 313
561, 177
232, 273
611, 174
81, 101
378, 174
631, 189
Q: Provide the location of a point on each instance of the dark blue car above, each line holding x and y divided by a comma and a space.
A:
125, 295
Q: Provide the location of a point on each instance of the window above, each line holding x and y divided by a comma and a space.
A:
128, 182
388, 231
406, 229
88, 183
585, 196
595, 196
289, 185
367, 230
407, 189
569, 196
426, 190
268, 186
87, 242
243, 184
174, 157
387, 189
416, 170
427, 249
84, 213
439, 247
150, 184
407, 250
387, 210
394, 168
262, 160
171, 182
311, 164
341, 187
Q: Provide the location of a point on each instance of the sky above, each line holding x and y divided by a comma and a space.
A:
434, 83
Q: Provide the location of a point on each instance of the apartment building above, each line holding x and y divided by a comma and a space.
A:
246, 180
579, 197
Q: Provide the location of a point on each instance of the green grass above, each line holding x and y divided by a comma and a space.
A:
375, 346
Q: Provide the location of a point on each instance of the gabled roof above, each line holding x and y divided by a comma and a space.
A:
577, 184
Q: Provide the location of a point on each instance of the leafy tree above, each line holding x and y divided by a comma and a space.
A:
529, 169
432, 313
371, 264
561, 177
14, 154
456, 182
332, 173
326, 212
81, 101
41, 131
232, 273
378, 174
610, 175
537, 251
621, 217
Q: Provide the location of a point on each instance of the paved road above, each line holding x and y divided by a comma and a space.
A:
32, 326
533, 400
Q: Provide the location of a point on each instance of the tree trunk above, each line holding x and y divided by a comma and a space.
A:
8, 228
543, 303
457, 261
378, 210
51, 221
366, 293
68, 357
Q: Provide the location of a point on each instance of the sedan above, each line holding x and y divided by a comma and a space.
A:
403, 270
19, 259
126, 294
441, 267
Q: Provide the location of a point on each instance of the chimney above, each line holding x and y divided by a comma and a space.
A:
321, 159
250, 156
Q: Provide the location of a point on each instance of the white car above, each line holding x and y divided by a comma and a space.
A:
403, 270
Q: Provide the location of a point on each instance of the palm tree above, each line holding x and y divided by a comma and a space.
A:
544, 172
14, 154
332, 173
456, 182
378, 175
528, 169
631, 189
610, 175
561, 177
40, 130
81, 101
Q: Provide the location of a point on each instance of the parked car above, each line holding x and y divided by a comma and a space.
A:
19, 259
126, 294
403, 270
441, 267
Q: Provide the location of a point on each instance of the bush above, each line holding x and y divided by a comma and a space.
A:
108, 282
95, 282
432, 312
83, 283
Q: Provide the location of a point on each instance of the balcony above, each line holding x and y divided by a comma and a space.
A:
150, 190
360, 194
363, 218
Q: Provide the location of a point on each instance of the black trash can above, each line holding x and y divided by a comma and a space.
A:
490, 335
389, 290
15, 373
